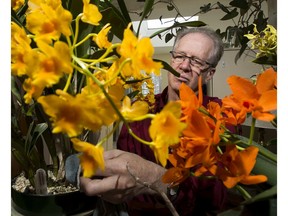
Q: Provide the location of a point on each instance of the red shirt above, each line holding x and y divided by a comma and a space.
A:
195, 196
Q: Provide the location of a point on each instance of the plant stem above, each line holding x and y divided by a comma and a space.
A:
243, 192
138, 138
252, 131
76, 29
84, 39
109, 134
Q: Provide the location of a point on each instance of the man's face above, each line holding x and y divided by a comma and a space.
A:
192, 45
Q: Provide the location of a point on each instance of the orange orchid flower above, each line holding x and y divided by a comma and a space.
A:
188, 154
199, 130
238, 166
198, 144
214, 110
258, 99
189, 99
175, 175
234, 117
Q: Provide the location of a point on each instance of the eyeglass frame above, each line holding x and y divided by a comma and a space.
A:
191, 60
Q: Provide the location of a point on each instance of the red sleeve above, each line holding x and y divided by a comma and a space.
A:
194, 195
127, 143
199, 196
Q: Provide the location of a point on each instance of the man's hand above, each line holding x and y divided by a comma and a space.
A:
117, 183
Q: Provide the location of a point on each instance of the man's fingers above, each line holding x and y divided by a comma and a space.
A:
114, 164
108, 155
96, 187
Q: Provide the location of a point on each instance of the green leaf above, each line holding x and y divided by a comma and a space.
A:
135, 81
251, 206
265, 60
243, 4
167, 67
21, 12
240, 52
261, 22
16, 19
147, 9
263, 195
243, 11
205, 8
50, 143
124, 11
272, 142
28, 138
234, 13
168, 37
122, 15
188, 24
170, 7
14, 89
267, 167
24, 161
223, 8
36, 134
262, 150
75, 7
133, 94
114, 17
266, 162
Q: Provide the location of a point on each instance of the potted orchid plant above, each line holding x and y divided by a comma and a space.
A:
69, 79
61, 54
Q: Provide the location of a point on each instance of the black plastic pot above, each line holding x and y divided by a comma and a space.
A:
71, 203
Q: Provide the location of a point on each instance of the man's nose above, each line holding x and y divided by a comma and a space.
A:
186, 63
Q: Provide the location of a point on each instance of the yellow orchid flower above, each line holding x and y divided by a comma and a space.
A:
20, 48
165, 130
91, 13
140, 52
54, 62
134, 111
91, 158
70, 114
49, 21
16, 4
101, 39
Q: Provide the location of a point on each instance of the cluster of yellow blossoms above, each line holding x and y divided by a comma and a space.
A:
265, 41
47, 57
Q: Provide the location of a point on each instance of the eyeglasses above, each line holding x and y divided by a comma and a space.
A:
194, 61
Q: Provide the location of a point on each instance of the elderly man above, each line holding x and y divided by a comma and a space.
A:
196, 52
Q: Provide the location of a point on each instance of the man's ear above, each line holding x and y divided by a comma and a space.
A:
210, 74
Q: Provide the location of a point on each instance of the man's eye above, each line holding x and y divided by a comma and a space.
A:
197, 61
179, 57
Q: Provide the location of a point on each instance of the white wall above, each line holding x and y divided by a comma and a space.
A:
227, 67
